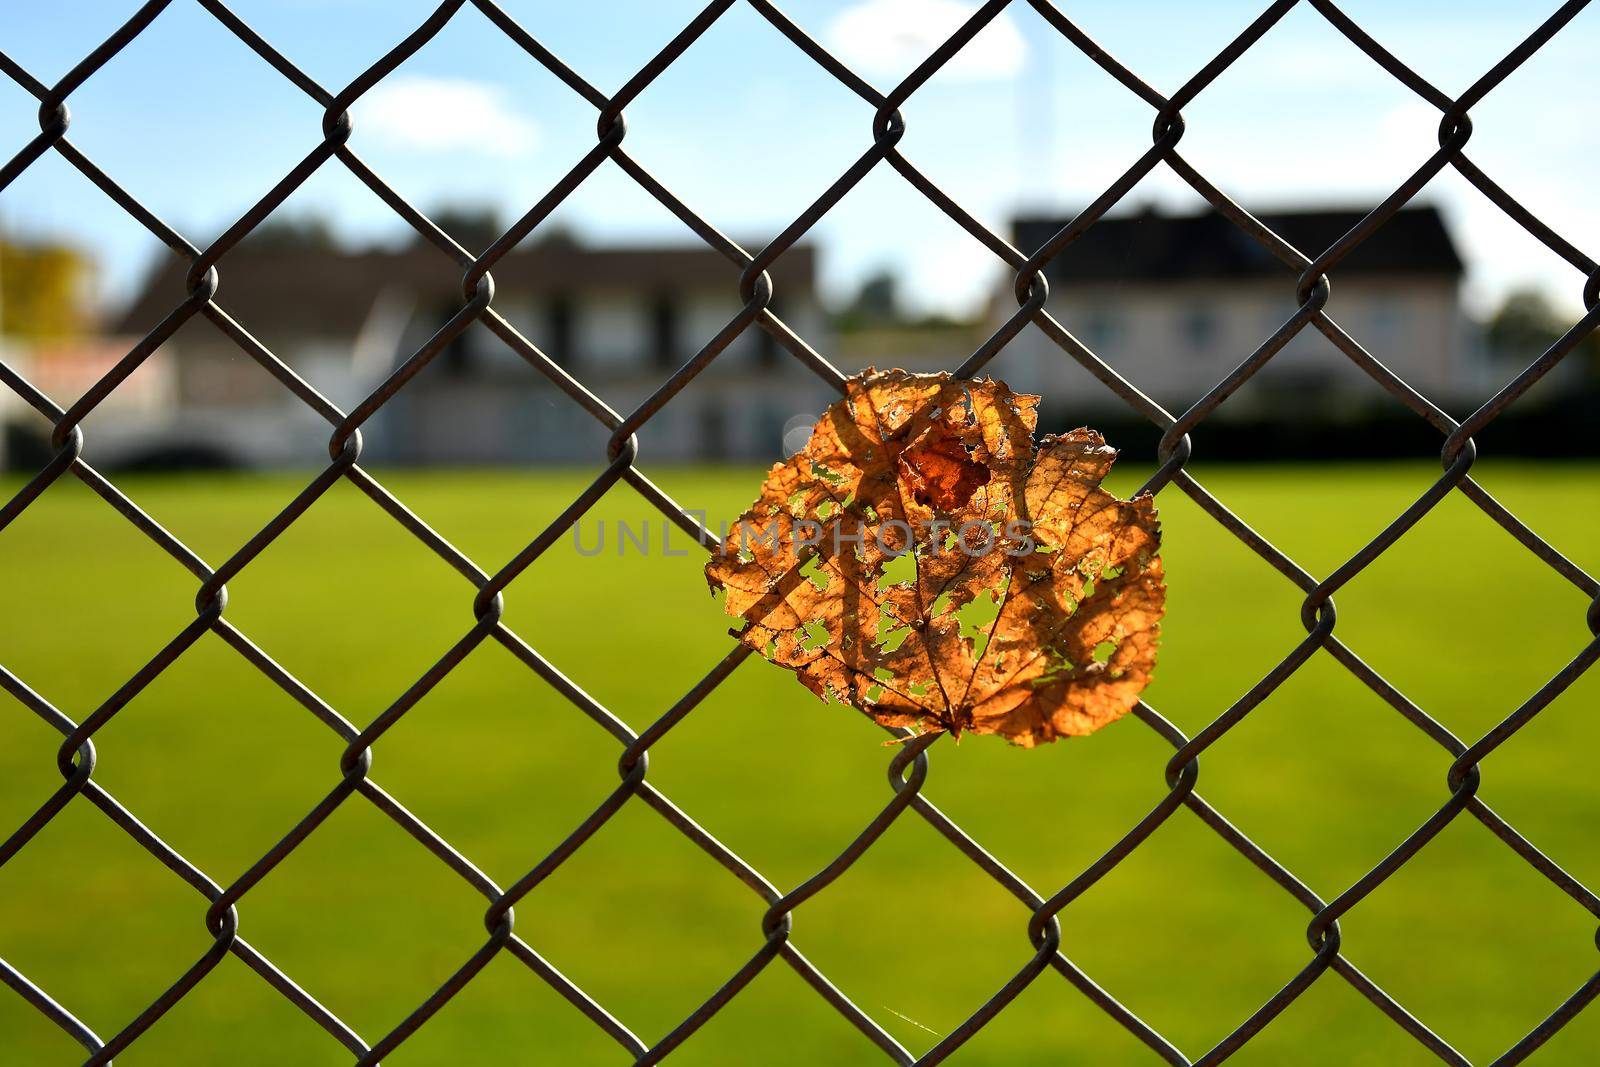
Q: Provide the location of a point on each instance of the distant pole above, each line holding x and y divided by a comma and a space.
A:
1036, 127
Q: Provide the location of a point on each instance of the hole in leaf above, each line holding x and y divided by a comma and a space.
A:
813, 573
977, 617
816, 635
901, 569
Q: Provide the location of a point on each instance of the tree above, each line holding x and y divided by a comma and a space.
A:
878, 299
1527, 323
876, 303
43, 290
311, 232
474, 228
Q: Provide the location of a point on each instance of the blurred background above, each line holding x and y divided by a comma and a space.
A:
1023, 131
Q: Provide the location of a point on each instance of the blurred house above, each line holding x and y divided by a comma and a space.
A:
1174, 302
922, 347
64, 370
619, 319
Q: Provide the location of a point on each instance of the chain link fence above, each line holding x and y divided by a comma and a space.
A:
908, 769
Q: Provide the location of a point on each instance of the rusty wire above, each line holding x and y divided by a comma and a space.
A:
908, 769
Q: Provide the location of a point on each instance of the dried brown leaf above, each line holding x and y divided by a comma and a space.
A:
948, 471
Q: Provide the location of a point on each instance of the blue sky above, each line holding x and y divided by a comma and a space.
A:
748, 131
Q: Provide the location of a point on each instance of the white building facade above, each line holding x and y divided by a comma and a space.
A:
620, 320
1174, 303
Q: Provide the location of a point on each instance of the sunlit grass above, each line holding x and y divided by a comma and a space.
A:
1324, 775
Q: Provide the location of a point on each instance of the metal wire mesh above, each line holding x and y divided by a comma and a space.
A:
908, 769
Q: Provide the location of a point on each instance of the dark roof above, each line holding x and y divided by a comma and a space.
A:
328, 292
1151, 246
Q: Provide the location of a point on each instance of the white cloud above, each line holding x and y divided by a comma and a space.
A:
429, 114
888, 38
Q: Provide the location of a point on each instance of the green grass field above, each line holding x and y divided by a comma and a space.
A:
1324, 775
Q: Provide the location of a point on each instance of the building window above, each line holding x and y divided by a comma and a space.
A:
664, 330
1199, 327
457, 356
1102, 330
713, 432
768, 350
1386, 323
768, 423
558, 319
1274, 317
